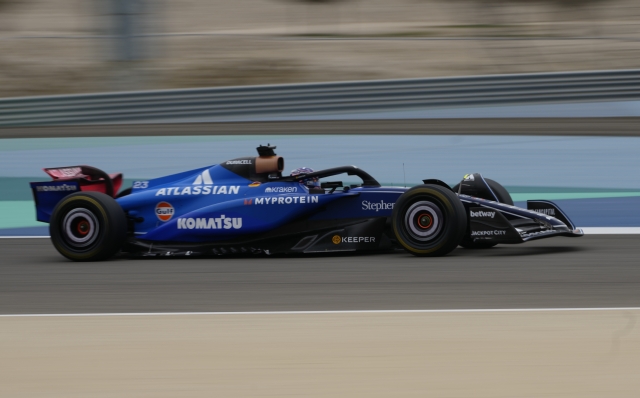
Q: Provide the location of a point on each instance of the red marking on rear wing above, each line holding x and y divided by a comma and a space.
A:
89, 178
65, 172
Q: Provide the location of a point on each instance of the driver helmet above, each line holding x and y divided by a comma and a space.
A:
309, 182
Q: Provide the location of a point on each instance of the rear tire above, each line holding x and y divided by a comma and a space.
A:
88, 226
429, 220
124, 193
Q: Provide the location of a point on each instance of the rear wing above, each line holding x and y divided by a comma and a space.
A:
68, 180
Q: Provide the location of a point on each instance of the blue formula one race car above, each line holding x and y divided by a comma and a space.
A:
246, 206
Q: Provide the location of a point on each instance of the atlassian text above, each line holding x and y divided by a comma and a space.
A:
221, 222
203, 190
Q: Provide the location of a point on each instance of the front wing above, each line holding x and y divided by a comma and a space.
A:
495, 222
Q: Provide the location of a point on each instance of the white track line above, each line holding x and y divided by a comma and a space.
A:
321, 312
611, 230
24, 237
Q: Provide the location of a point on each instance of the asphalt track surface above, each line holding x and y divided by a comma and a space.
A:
595, 126
592, 271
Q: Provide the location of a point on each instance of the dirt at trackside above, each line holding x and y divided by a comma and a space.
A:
62, 46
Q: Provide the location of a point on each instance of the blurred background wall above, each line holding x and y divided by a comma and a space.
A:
79, 46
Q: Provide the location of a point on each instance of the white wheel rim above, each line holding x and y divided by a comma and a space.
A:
419, 211
76, 222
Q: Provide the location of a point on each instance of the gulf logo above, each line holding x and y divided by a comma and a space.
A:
164, 211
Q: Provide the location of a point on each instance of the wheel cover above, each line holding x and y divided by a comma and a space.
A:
80, 228
423, 221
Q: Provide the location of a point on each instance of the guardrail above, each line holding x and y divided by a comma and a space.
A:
236, 103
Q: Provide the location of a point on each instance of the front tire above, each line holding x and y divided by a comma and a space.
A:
429, 220
88, 226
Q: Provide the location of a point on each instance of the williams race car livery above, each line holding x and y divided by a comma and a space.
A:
246, 206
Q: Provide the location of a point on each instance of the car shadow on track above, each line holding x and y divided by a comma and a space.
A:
498, 251
517, 251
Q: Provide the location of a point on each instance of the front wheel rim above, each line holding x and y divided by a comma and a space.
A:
423, 221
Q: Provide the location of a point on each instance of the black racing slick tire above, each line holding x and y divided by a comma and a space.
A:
88, 226
500, 191
503, 197
429, 220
